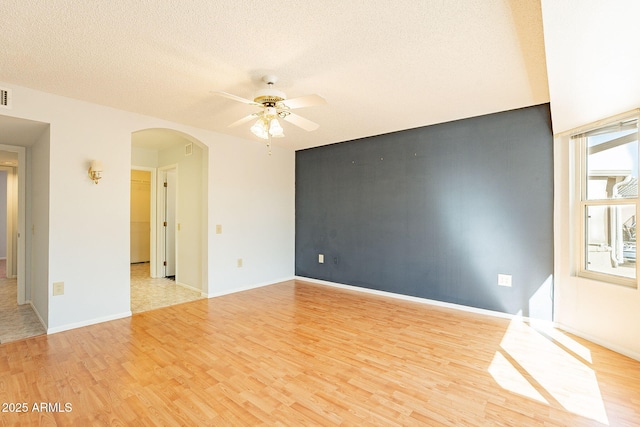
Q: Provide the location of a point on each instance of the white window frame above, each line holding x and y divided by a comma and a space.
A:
579, 143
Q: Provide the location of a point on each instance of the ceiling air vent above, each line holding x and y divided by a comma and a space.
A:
5, 98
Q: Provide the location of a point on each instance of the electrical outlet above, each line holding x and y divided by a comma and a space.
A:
218, 228
58, 288
320, 259
504, 280
239, 262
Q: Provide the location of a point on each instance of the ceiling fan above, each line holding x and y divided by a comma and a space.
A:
274, 105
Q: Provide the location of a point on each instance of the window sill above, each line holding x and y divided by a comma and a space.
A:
609, 279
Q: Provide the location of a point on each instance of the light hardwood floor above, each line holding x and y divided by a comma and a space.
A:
296, 353
20, 321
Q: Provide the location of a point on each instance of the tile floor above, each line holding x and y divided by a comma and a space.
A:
20, 322
16, 321
149, 294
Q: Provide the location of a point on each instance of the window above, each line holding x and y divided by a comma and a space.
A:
607, 194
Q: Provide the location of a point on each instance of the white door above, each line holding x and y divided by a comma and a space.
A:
170, 188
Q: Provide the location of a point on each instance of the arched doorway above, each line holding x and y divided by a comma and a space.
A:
175, 165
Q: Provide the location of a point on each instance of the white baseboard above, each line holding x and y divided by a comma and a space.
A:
191, 288
544, 323
614, 347
70, 326
421, 300
40, 319
128, 313
248, 287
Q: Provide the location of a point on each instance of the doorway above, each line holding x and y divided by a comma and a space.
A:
140, 220
18, 319
176, 271
151, 290
169, 224
12, 218
5, 230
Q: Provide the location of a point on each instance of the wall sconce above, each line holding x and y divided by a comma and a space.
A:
95, 171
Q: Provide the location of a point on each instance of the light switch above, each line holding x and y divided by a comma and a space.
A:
504, 280
58, 288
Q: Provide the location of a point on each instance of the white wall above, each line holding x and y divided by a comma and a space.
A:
37, 224
253, 202
3, 213
88, 224
144, 157
190, 202
593, 64
593, 59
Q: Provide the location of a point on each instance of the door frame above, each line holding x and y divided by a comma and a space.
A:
20, 252
153, 218
160, 203
11, 201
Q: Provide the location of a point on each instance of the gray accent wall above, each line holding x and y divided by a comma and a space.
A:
435, 212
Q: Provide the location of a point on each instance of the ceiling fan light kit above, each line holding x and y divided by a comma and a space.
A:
264, 128
274, 105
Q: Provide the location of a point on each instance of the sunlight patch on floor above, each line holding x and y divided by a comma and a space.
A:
508, 377
562, 339
533, 365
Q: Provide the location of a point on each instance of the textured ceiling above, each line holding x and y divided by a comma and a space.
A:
382, 66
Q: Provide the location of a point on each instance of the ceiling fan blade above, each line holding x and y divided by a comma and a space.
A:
234, 97
244, 119
304, 101
301, 122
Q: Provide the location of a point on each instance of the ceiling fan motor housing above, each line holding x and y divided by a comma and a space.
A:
274, 105
269, 97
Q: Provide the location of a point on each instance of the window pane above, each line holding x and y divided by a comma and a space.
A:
612, 164
611, 240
